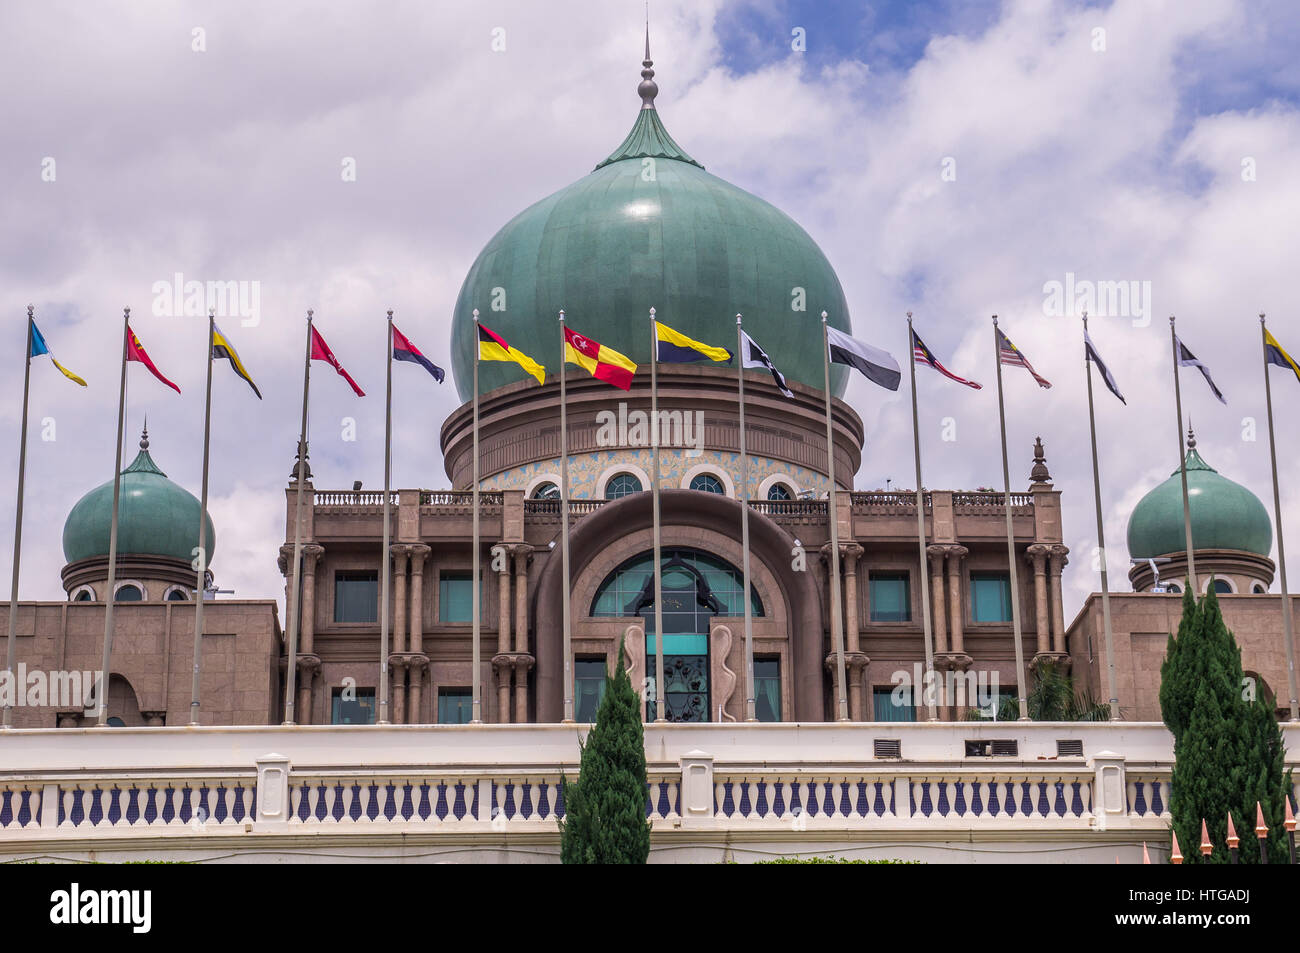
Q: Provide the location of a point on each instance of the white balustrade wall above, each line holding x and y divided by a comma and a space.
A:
200, 793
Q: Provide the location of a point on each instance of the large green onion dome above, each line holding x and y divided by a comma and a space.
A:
156, 517
649, 228
1225, 515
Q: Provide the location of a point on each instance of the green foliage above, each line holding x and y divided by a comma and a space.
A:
1051, 698
605, 811
1228, 752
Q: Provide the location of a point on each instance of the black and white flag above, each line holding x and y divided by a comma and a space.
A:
751, 355
1106, 375
1187, 359
876, 365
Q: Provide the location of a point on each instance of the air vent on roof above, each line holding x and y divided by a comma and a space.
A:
1006, 749
888, 748
1069, 749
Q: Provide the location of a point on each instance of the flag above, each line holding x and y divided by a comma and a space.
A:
1187, 359
320, 351
39, 347
221, 348
135, 352
1272, 350
492, 347
878, 366
1009, 354
676, 348
603, 363
404, 350
751, 355
923, 355
1090, 352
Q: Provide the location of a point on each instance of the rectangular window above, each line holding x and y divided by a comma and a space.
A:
890, 707
456, 596
767, 689
589, 689
358, 708
990, 597
455, 706
890, 596
356, 596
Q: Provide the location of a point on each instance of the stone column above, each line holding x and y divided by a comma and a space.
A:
311, 554
415, 665
418, 554
397, 674
399, 597
936, 554
522, 553
1058, 562
504, 611
308, 666
852, 627
1036, 555
956, 611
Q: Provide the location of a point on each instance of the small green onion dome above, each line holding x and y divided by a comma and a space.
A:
1225, 515
648, 227
156, 517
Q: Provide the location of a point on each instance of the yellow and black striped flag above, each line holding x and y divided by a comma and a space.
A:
1275, 354
493, 347
221, 348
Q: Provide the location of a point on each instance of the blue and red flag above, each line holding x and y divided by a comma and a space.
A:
404, 350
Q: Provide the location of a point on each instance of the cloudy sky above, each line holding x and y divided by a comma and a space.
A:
950, 158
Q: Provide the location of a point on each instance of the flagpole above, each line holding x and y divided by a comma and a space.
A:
564, 535
295, 580
18, 524
1011, 537
1101, 540
109, 597
202, 568
476, 717
1182, 462
750, 713
928, 691
837, 627
661, 714
1287, 623
385, 558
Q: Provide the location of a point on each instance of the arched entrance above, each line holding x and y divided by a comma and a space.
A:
696, 587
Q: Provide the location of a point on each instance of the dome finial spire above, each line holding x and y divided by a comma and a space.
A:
1191, 435
648, 89
144, 434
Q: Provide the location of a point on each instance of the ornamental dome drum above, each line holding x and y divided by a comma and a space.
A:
649, 227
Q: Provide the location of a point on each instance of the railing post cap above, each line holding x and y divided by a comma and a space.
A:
273, 756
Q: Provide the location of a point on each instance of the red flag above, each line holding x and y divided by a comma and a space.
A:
320, 351
135, 352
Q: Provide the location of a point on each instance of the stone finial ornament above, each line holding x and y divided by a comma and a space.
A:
1040, 474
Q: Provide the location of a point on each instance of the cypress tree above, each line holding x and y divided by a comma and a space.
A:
1228, 751
605, 811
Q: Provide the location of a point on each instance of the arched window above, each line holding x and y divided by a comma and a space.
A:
115, 722
1174, 587
1259, 589
623, 588
84, 594
129, 593
706, 483
624, 484
779, 492
546, 491
1222, 586
177, 594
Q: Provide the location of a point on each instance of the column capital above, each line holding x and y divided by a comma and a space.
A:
505, 661
308, 664
852, 550
419, 550
956, 553
1059, 558
399, 550
1036, 555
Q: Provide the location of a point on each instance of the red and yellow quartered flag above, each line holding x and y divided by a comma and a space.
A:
603, 363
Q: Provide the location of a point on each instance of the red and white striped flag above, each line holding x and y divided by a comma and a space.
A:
923, 355
1009, 354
